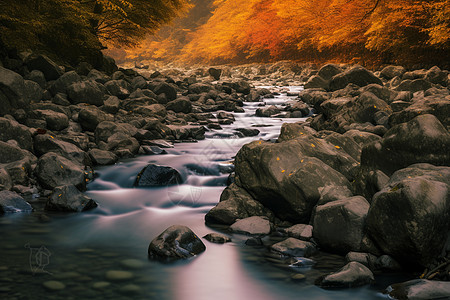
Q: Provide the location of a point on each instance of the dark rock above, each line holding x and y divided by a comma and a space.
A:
215, 73
381, 92
316, 82
32, 92
90, 117
38, 77
5, 180
16, 162
154, 175
235, 203
333, 193
294, 247
53, 170
248, 131
44, 143
98, 76
118, 88
85, 92
180, 105
351, 275
367, 259
267, 111
413, 85
339, 225
422, 139
241, 86
254, 241
252, 225
68, 198
61, 99
12, 91
167, 89
409, 218
55, 120
62, 83
44, 64
300, 231
199, 88
356, 75
11, 202
175, 242
436, 75
102, 157
387, 263
420, 289
111, 105
154, 110
390, 72
362, 138
11, 130
328, 71
217, 238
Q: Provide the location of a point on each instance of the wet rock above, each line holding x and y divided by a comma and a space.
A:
90, 117
248, 131
252, 225
422, 139
294, 247
118, 88
367, 259
154, 110
44, 143
44, 64
419, 289
69, 199
339, 225
11, 130
180, 105
176, 242
11, 202
241, 86
85, 92
167, 89
300, 231
235, 203
267, 111
102, 157
387, 263
217, 238
254, 241
362, 138
155, 175
409, 217
53, 170
351, 275
356, 75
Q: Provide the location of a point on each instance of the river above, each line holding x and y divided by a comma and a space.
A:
79, 250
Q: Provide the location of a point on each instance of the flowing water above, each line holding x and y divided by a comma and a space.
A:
80, 250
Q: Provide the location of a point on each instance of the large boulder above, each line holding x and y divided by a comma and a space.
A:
12, 91
68, 198
180, 105
351, 275
423, 139
267, 111
215, 73
167, 89
328, 71
53, 170
16, 162
235, 203
409, 218
390, 72
44, 143
356, 75
419, 289
102, 157
55, 120
339, 225
62, 83
154, 175
252, 225
118, 88
44, 64
90, 117
175, 242
85, 92
274, 175
11, 130
316, 82
11, 202
413, 85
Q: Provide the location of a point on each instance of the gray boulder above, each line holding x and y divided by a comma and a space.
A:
55, 120
11, 202
102, 157
180, 105
255, 225
175, 242
118, 88
300, 231
53, 170
44, 143
16, 162
267, 111
294, 247
390, 72
11, 130
328, 71
85, 92
217, 238
90, 117
409, 218
69, 199
44, 64
413, 85
351, 275
356, 75
339, 225
316, 82
215, 73
12, 91
367, 259
419, 289
62, 83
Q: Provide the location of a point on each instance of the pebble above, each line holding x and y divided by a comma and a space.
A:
54, 285
118, 275
130, 288
298, 277
132, 263
101, 285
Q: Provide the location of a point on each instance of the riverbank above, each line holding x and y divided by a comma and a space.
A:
363, 135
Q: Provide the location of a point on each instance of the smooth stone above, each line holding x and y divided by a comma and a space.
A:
252, 225
298, 277
101, 285
132, 263
54, 285
118, 275
217, 238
